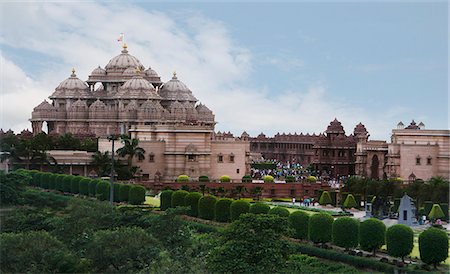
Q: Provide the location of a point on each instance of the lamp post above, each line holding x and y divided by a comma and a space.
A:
112, 138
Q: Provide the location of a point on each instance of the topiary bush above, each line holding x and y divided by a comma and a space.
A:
93, 187
124, 191
178, 198
350, 202
102, 190
372, 234
268, 179
247, 179
320, 228
166, 199
299, 220
54, 183
191, 200
116, 192
59, 181
84, 185
345, 232
280, 211
66, 182
222, 210
237, 208
325, 198
290, 179
44, 180
311, 179
203, 179
399, 241
136, 195
37, 178
436, 213
75, 184
206, 207
433, 246
183, 179
259, 208
225, 179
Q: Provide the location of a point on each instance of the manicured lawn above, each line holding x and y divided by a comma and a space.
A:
153, 201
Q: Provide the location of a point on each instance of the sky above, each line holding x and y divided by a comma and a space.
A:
259, 66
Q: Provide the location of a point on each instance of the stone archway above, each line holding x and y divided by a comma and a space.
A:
374, 168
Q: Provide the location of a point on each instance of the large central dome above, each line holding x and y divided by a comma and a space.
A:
124, 61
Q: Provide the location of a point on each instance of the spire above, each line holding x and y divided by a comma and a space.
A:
125, 48
174, 75
73, 73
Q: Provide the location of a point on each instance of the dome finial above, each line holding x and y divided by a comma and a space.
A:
138, 70
174, 75
73, 73
125, 48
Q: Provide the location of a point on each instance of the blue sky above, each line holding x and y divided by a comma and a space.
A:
265, 67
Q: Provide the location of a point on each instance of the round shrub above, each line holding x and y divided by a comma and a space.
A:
58, 181
311, 179
268, 179
246, 179
280, 211
102, 190
116, 190
93, 187
399, 240
75, 184
45, 180
183, 179
124, 191
290, 179
206, 205
225, 179
191, 200
203, 179
259, 208
433, 246
371, 234
136, 195
237, 208
436, 213
166, 199
350, 202
325, 198
66, 182
345, 232
299, 221
222, 210
37, 178
178, 198
320, 228
84, 185
34, 177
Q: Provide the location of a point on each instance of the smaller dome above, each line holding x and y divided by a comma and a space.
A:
79, 104
130, 72
176, 90
97, 105
123, 61
360, 129
151, 73
44, 106
137, 82
73, 82
175, 85
98, 72
131, 106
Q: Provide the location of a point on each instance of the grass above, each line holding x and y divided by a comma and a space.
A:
153, 201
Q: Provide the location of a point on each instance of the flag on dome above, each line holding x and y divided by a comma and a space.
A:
120, 39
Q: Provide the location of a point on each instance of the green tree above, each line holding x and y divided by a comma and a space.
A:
124, 191
372, 234
102, 190
12, 187
191, 200
222, 210
433, 246
325, 198
130, 150
206, 206
436, 213
320, 228
237, 208
345, 232
102, 163
166, 199
178, 198
399, 240
259, 208
136, 195
299, 220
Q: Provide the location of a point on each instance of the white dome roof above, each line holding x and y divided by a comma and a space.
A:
44, 106
137, 82
98, 72
72, 87
124, 61
151, 73
176, 90
73, 82
129, 71
137, 88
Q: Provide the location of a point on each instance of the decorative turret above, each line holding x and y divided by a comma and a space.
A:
71, 88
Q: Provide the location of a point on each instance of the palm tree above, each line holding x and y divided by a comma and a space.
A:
130, 149
102, 161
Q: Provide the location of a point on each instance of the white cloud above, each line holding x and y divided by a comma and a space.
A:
201, 50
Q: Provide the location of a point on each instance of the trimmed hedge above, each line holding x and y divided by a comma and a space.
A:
247, 179
178, 198
136, 195
290, 179
237, 208
320, 228
222, 210
345, 232
75, 184
206, 206
268, 179
102, 190
116, 192
280, 211
84, 186
433, 246
191, 200
372, 234
93, 187
399, 240
66, 182
350, 202
225, 179
59, 184
166, 199
299, 221
436, 213
203, 179
183, 179
259, 208
325, 198
44, 181
124, 191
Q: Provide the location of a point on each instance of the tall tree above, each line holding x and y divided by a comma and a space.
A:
130, 150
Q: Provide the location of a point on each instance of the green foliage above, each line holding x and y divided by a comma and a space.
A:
12, 186
350, 202
264, 165
399, 240
225, 179
136, 195
67, 182
37, 178
222, 210
433, 246
246, 179
206, 206
27, 219
290, 179
311, 179
124, 191
55, 180
36, 252
191, 200
428, 205
299, 220
268, 179
436, 213
93, 187
178, 198
252, 244
45, 181
84, 185
166, 199
116, 190
444, 207
312, 209
102, 190
371, 234
183, 179
280, 211
75, 184
203, 179
300, 263
259, 208
42, 199
345, 232
320, 228
123, 250
325, 198
237, 208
